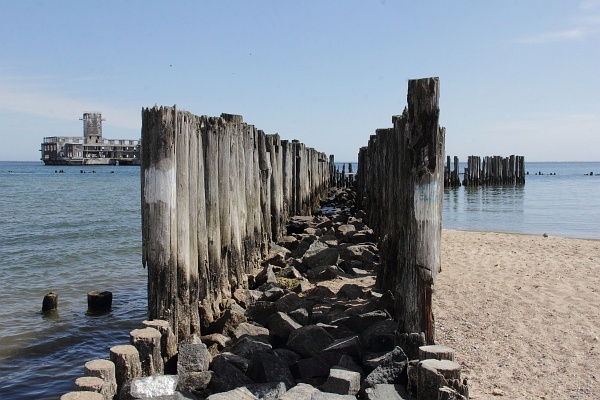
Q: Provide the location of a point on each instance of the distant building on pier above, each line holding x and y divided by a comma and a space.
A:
92, 148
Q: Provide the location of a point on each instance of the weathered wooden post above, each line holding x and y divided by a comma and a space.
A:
420, 208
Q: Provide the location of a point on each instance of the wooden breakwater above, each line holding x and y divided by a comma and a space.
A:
400, 186
489, 170
215, 193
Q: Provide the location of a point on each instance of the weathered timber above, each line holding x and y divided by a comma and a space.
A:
400, 184
215, 193
490, 170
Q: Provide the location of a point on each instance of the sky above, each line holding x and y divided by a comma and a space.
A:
516, 77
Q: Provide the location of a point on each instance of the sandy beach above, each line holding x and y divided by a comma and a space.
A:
522, 313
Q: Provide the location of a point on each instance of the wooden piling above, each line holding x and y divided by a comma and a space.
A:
402, 182
215, 193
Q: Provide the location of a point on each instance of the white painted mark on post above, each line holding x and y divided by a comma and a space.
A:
427, 201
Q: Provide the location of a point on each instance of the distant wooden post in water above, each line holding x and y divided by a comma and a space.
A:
400, 183
494, 170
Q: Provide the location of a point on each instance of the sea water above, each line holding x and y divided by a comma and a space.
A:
79, 230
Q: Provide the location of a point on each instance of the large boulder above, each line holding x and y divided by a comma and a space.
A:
309, 341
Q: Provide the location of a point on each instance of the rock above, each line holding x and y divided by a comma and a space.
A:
361, 322
240, 393
380, 336
267, 391
350, 291
309, 341
301, 391
303, 286
272, 294
348, 345
193, 358
265, 275
290, 273
150, 386
301, 315
324, 256
345, 231
288, 302
228, 322
247, 329
289, 242
386, 391
226, 377
392, 369
215, 338
291, 357
313, 367
268, 367
321, 293
342, 381
332, 396
194, 381
365, 253
247, 345
281, 325
245, 297
239, 362
260, 312
325, 272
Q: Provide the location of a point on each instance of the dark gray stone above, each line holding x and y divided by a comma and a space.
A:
247, 329
348, 345
301, 315
194, 381
239, 362
260, 312
248, 345
380, 336
342, 381
288, 302
324, 256
267, 391
281, 325
226, 377
240, 393
272, 294
193, 357
309, 341
268, 367
350, 291
291, 357
392, 369
386, 391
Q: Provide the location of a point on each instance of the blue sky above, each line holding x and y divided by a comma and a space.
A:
517, 77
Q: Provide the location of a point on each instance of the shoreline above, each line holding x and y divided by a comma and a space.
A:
520, 234
522, 313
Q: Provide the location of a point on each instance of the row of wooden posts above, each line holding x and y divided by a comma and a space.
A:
400, 186
490, 170
338, 177
215, 193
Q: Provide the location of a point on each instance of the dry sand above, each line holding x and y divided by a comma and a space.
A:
522, 313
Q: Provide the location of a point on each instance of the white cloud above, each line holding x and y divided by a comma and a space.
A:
584, 25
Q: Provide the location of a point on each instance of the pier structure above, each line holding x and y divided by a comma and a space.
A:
222, 200
489, 170
91, 148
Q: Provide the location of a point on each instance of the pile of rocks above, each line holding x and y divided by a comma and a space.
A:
310, 326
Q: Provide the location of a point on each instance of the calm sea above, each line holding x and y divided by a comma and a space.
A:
74, 232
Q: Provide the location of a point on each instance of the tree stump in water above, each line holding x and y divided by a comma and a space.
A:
50, 302
85, 395
89, 383
168, 342
127, 363
99, 301
147, 342
105, 370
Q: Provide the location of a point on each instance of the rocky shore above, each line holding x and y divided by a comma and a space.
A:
311, 325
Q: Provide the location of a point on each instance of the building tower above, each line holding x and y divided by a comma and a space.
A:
92, 127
